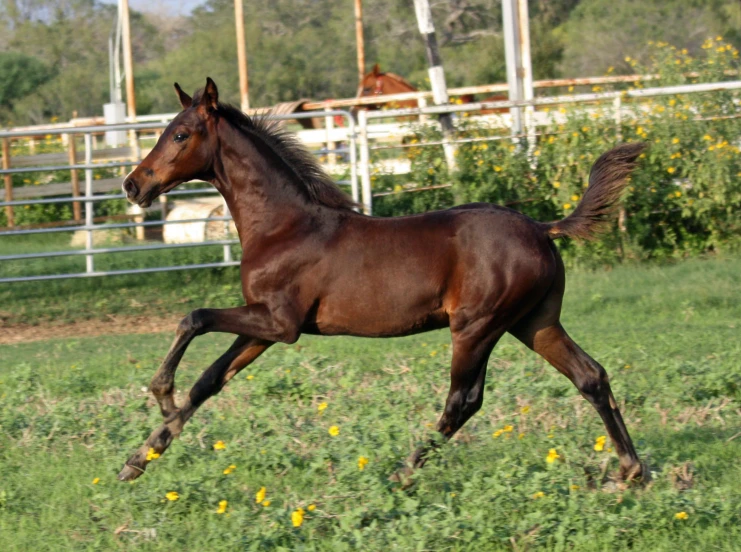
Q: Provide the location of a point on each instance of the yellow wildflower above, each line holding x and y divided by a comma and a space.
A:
96, 480
322, 407
260, 495
671, 170
297, 517
575, 487
219, 445
334, 430
575, 198
230, 469
681, 515
525, 409
222, 506
398, 188
567, 205
599, 443
677, 194
362, 462
539, 494
552, 456
508, 429
250, 377
675, 140
497, 433
521, 436
172, 496
707, 137
497, 168
151, 455
311, 507
266, 503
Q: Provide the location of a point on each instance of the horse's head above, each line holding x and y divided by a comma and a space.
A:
184, 152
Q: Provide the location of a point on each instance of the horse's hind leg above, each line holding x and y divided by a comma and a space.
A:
240, 354
471, 352
543, 333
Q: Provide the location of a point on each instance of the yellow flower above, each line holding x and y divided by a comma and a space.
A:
671, 170
260, 495
322, 407
567, 205
222, 506
552, 456
297, 517
575, 487
539, 494
521, 436
250, 377
497, 433
311, 507
707, 137
484, 147
574, 198
151, 455
675, 140
219, 445
172, 496
334, 430
677, 194
507, 428
681, 515
585, 129
230, 469
398, 188
497, 168
96, 480
362, 462
599, 443
266, 503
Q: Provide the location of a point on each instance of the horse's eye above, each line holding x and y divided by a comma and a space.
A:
180, 137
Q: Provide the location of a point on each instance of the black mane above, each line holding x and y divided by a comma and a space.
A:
309, 175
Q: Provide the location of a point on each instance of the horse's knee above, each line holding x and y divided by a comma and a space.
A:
193, 322
593, 382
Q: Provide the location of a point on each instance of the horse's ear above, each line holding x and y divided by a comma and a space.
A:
376, 70
185, 100
210, 97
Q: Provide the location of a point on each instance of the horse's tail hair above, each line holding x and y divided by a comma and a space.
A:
607, 179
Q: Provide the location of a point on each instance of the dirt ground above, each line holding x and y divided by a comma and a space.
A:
88, 328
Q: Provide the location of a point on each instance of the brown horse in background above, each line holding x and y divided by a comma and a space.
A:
378, 83
311, 264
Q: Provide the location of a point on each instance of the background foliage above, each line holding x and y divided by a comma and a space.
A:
306, 48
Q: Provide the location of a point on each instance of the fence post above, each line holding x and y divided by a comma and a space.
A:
227, 246
331, 146
89, 205
365, 177
617, 103
8, 183
74, 177
353, 157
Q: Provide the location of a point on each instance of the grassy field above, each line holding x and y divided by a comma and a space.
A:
72, 410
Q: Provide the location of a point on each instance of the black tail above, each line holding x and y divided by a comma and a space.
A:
607, 180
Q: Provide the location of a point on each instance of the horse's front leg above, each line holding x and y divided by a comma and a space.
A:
240, 354
239, 320
258, 327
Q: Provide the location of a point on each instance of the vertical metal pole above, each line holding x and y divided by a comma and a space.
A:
227, 247
353, 158
517, 55
89, 205
74, 177
331, 146
437, 76
8, 183
359, 39
244, 96
365, 177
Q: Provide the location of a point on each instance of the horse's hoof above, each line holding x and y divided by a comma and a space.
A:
638, 473
132, 469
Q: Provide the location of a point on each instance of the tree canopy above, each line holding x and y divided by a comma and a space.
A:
54, 53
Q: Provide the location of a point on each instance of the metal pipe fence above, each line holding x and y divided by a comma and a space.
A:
529, 134
89, 199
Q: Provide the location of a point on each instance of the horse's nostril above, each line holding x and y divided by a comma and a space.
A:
129, 187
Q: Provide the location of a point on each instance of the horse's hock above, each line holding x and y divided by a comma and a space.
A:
189, 232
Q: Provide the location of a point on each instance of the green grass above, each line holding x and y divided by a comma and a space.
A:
72, 410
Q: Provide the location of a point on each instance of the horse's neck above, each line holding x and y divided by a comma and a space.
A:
260, 196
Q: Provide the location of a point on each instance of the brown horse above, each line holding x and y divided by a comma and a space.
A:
377, 83
311, 264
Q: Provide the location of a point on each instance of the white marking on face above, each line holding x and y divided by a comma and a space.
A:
124, 181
